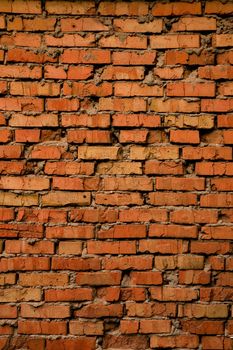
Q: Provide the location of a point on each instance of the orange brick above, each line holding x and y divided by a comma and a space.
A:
176, 9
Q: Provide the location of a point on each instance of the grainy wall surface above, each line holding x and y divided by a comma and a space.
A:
116, 200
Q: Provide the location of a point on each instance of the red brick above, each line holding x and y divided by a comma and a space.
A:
55, 72
162, 153
26, 55
138, 215
128, 42
150, 309
45, 311
34, 89
216, 343
222, 40
173, 294
177, 231
100, 310
126, 58
6, 214
180, 184
190, 89
86, 328
80, 232
8, 311
88, 136
217, 7
46, 152
133, 26
183, 57
67, 7
114, 248
88, 89
42, 215
20, 72
216, 200
71, 294
98, 278
217, 232
11, 167
225, 279
203, 327
129, 326
109, 293
139, 120
192, 277
85, 120
87, 343
70, 40
24, 183
216, 294
22, 39
163, 168
146, 278
43, 279
176, 9
60, 198
133, 8
35, 24
212, 168
24, 263
155, 326
169, 198
127, 184
21, 6
18, 229
225, 57
186, 216
174, 41
228, 137
73, 73
180, 341
15, 295
194, 24
136, 104
94, 215
25, 135
226, 89
125, 263
82, 24
60, 104
123, 73
119, 199
41, 120
39, 247
95, 56
221, 185
134, 89
123, 231
209, 152
98, 152
42, 327
74, 248
69, 168
208, 105
132, 342
216, 72
164, 246
202, 310
175, 106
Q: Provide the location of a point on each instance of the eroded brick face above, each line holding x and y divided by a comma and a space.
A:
116, 175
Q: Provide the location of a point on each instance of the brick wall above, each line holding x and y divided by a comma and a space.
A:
116, 199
